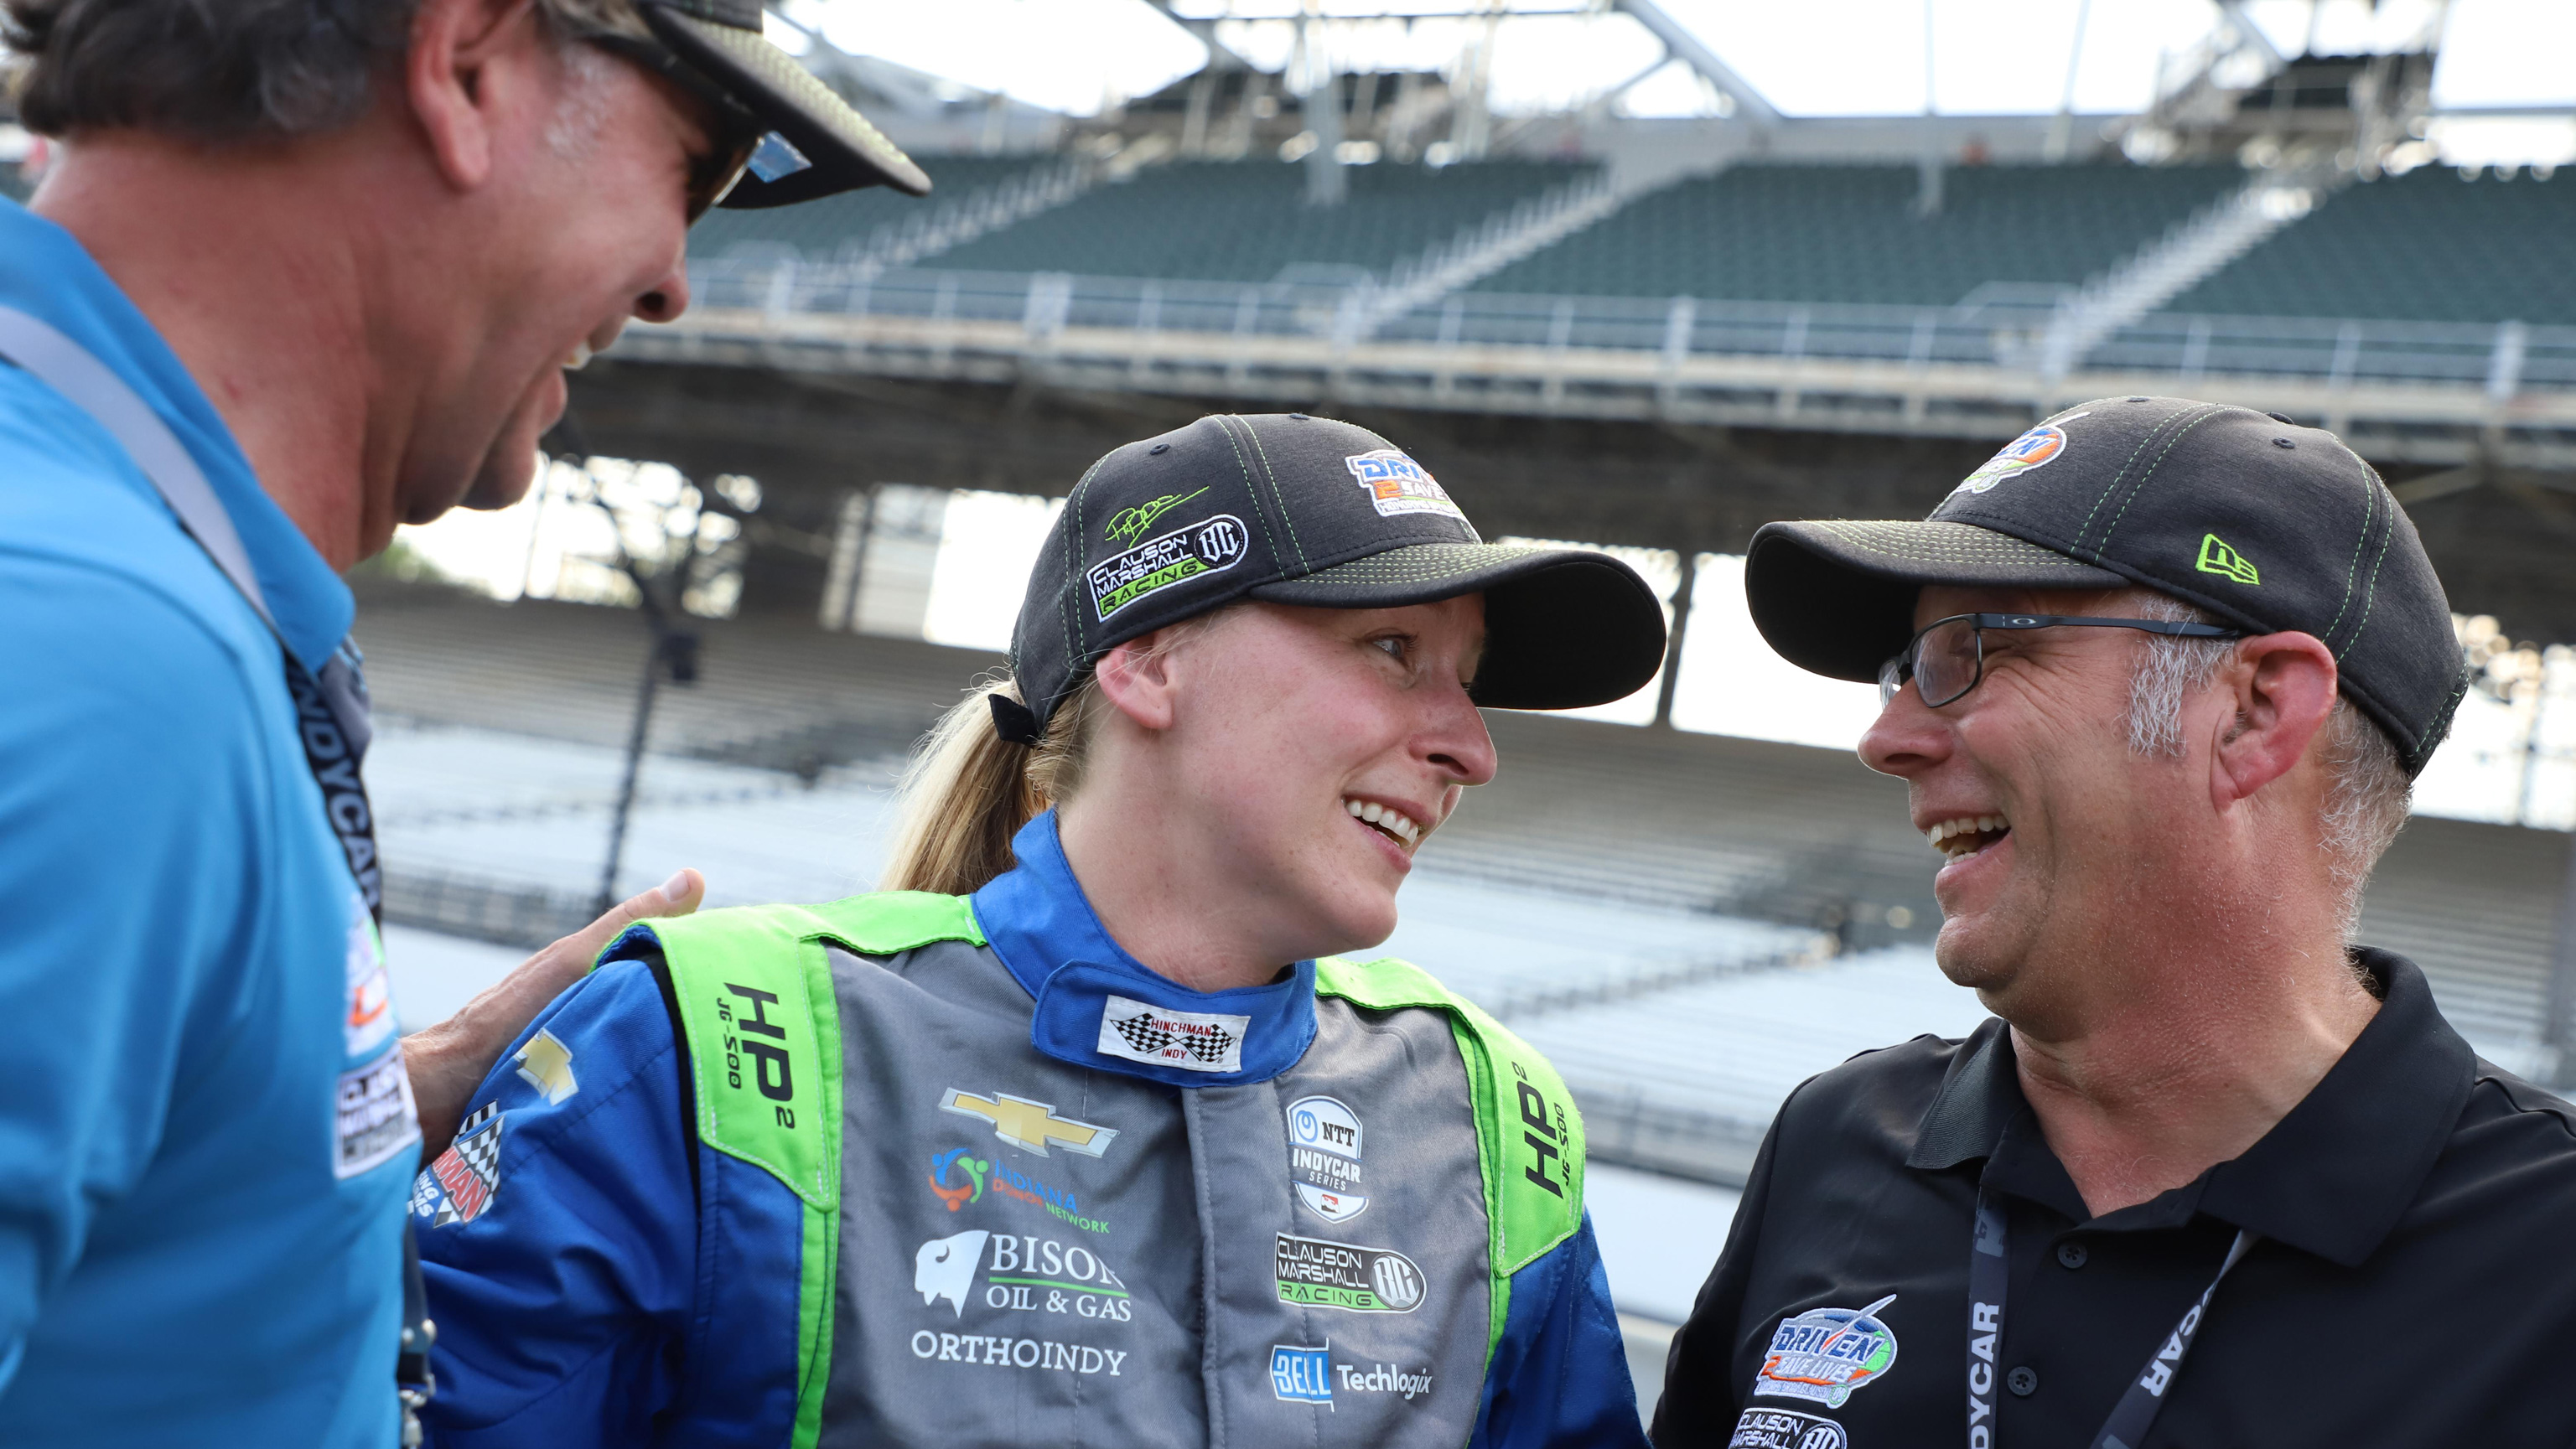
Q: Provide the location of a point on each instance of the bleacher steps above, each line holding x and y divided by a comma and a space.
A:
1503, 239
2177, 261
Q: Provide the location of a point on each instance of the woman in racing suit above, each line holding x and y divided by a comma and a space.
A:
1082, 1133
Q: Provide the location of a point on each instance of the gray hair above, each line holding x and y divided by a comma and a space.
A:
214, 71
2367, 787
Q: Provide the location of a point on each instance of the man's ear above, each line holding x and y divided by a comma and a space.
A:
1139, 681
449, 75
2282, 688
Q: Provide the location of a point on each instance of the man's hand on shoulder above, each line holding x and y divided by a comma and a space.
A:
448, 1060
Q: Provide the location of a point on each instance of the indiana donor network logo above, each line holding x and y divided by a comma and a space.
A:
1824, 1355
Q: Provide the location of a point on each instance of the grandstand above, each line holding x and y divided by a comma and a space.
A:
1856, 233
2428, 246
1248, 221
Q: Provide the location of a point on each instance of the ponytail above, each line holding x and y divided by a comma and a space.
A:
967, 790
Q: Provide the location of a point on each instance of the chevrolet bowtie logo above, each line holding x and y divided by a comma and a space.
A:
545, 1063
1023, 1123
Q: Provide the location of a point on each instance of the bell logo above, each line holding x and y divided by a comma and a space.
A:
2217, 557
1030, 1125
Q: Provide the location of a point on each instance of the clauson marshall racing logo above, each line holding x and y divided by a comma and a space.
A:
1210, 547
2037, 448
1824, 1354
1324, 1158
1193, 1041
1319, 1274
1397, 485
1761, 1428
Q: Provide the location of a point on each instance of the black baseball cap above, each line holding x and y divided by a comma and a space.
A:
1292, 509
2266, 525
808, 121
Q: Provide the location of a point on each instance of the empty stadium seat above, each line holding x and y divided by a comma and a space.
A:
1849, 233
2426, 246
1248, 221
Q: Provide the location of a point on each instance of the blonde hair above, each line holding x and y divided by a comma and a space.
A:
967, 791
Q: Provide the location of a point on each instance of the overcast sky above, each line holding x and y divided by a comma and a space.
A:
1812, 57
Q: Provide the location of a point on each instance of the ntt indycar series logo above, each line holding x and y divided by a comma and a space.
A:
1302, 1375
1825, 1354
1324, 1158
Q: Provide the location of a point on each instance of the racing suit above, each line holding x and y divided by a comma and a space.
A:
956, 1171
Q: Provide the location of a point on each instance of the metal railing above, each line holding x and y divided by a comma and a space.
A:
2500, 360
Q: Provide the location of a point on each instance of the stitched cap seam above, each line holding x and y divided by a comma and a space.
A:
2153, 468
2109, 488
1272, 473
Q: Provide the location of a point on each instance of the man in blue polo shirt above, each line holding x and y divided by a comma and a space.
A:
303, 270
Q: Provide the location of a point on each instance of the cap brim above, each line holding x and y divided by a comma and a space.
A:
1837, 597
847, 152
1564, 627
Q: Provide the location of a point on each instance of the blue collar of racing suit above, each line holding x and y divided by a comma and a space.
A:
1101, 1008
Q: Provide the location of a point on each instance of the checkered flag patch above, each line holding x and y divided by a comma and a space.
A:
469, 1171
1142, 1034
1191, 1041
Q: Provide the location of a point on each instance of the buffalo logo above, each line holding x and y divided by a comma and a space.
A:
972, 1169
1824, 1354
945, 1268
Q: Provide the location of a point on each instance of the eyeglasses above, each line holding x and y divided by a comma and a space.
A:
1947, 657
734, 132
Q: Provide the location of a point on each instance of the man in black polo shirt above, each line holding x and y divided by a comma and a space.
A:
2159, 676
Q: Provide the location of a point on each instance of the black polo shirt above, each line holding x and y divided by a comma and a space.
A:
2414, 1282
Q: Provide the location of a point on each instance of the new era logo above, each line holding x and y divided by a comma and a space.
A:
2217, 557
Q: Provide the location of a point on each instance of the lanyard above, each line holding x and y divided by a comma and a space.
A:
1988, 1270
331, 717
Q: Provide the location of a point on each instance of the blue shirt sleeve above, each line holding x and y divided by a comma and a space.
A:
130, 813
1560, 1374
559, 1235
